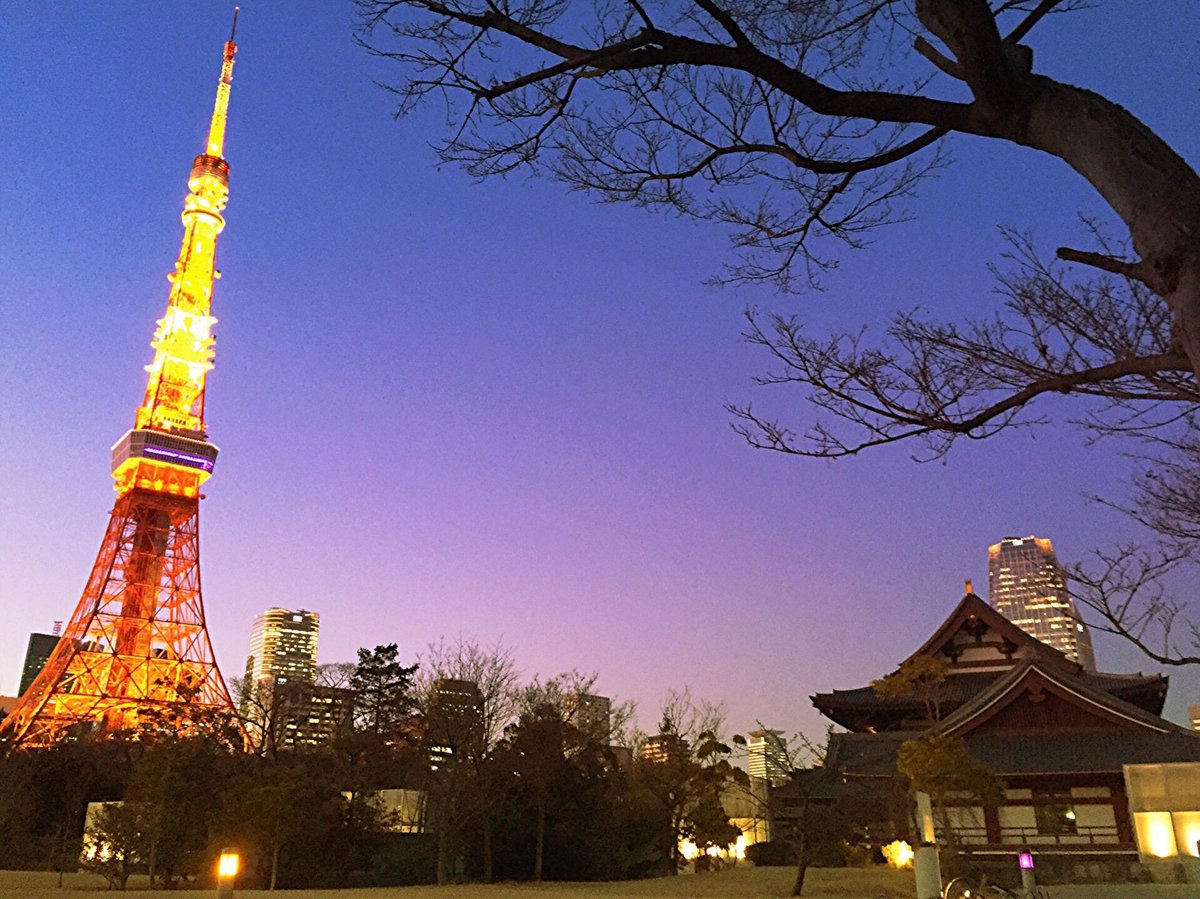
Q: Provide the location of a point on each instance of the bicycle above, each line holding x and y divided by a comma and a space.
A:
975, 888
978, 888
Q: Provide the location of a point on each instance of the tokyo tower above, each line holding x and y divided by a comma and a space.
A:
137, 642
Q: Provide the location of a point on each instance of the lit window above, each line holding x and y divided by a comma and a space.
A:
1054, 813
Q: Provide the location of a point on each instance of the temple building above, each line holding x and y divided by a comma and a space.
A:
1059, 736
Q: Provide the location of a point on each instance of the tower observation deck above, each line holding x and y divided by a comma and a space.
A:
136, 653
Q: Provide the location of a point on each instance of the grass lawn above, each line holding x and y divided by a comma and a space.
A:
747, 882
741, 883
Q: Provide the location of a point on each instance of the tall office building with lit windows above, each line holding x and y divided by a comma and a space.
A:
1027, 586
283, 646
767, 757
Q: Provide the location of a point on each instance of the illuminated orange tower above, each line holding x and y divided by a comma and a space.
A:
137, 641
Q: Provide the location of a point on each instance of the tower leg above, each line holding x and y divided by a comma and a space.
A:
136, 652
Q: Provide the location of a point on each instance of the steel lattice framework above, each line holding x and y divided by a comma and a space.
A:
137, 649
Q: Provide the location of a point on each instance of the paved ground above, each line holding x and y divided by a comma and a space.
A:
1141, 891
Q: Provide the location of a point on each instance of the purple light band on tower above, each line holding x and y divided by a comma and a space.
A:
184, 458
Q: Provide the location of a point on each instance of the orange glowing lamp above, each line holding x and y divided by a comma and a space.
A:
227, 868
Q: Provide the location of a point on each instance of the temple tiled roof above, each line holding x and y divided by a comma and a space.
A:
960, 688
863, 709
1115, 733
971, 610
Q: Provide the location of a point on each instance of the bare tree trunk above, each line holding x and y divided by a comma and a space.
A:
801, 851
541, 838
152, 861
62, 853
798, 883
1153, 189
442, 879
487, 849
274, 867
1150, 186
673, 854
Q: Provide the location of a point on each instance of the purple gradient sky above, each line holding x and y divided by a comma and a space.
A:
496, 409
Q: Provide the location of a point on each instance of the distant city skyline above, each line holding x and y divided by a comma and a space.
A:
496, 409
1027, 585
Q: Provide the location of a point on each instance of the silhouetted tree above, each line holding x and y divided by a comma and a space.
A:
119, 842
177, 783
761, 117
465, 787
270, 805
688, 766
944, 768
708, 826
921, 678
383, 689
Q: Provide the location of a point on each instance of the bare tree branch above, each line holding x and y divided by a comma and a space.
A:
1124, 587
1110, 340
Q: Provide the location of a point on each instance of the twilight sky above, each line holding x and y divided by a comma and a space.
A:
495, 409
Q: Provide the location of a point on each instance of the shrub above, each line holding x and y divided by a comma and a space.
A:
773, 853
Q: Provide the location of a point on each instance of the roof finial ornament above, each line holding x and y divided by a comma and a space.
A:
969, 588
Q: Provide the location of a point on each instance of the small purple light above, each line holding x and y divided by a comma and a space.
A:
1025, 860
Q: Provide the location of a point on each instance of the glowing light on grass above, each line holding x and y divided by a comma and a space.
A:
898, 854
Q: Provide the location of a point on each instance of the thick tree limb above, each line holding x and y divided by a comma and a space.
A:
945, 64
1027, 24
726, 21
1136, 270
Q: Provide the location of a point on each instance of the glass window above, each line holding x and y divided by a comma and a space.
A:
1054, 813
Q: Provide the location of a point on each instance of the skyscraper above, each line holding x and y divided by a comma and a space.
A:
302, 714
1027, 586
37, 654
283, 646
591, 714
283, 652
767, 756
663, 748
